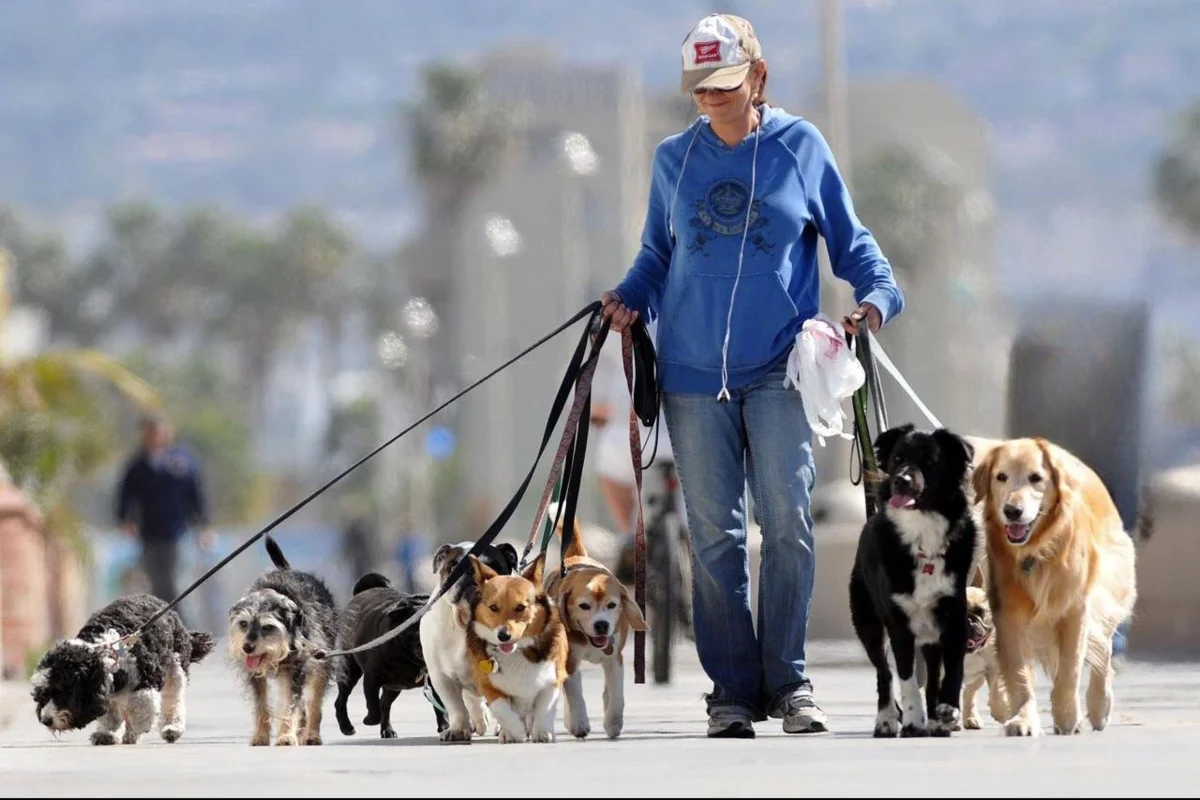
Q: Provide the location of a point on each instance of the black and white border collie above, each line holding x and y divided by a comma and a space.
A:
909, 582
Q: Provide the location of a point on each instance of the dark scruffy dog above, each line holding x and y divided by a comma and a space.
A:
908, 585
285, 617
94, 678
388, 669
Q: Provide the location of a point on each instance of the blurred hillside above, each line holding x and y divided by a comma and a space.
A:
258, 104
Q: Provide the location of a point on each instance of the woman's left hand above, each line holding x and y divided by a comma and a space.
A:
874, 319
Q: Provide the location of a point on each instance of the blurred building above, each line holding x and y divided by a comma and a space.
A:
557, 226
953, 339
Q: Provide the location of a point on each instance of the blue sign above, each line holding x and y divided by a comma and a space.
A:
439, 442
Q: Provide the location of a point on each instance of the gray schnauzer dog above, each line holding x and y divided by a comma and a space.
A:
122, 686
285, 617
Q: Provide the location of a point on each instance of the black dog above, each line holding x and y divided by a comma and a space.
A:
390, 668
96, 677
909, 580
274, 630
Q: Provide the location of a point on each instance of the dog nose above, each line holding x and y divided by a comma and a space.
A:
600, 626
49, 723
902, 482
503, 635
247, 647
1011, 513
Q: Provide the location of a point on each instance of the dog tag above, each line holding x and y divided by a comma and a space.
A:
489, 666
928, 568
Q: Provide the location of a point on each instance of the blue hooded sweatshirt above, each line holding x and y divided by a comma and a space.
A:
731, 282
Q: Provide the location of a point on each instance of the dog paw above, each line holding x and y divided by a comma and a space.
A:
313, 740
887, 728
372, 719
260, 740
1099, 723
130, 737
613, 727
347, 730
579, 728
171, 733
1068, 730
542, 737
1019, 727
104, 738
286, 740
972, 723
913, 732
510, 738
946, 718
387, 733
455, 736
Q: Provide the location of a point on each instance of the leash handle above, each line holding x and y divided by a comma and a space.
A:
639, 537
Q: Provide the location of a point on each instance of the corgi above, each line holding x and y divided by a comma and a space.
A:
517, 644
599, 613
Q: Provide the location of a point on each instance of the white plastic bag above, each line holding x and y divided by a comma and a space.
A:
824, 370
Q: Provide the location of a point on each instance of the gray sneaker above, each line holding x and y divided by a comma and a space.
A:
800, 713
730, 722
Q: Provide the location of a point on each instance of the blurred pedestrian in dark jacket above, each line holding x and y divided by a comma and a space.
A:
161, 496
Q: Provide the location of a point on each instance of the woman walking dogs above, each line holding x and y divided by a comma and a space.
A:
728, 267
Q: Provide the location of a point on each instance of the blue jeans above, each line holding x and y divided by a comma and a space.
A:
762, 437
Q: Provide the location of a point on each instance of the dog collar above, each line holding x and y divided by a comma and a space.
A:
927, 566
1027, 564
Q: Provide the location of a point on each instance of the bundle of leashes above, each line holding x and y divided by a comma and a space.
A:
642, 381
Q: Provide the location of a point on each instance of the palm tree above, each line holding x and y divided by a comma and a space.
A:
57, 421
1176, 178
458, 140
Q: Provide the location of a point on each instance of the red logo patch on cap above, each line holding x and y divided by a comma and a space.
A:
707, 52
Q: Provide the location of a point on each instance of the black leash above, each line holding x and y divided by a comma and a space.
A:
571, 452
864, 442
592, 309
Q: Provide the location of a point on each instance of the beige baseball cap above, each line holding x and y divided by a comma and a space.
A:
717, 53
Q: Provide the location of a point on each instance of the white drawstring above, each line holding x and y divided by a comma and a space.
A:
679, 180
723, 395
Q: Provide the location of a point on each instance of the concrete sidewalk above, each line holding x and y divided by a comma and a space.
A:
1149, 749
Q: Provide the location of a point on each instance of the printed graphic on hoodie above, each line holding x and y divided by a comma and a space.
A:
721, 211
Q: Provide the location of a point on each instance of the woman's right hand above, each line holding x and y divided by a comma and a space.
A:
617, 313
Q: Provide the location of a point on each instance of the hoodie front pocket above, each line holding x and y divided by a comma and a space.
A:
695, 321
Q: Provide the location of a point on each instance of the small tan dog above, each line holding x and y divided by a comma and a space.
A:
599, 614
982, 665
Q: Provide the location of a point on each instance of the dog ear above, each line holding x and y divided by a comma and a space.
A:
533, 572
397, 616
886, 441
956, 446
439, 556
629, 607
1064, 472
510, 556
981, 478
482, 571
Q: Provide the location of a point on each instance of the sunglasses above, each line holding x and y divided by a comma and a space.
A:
703, 91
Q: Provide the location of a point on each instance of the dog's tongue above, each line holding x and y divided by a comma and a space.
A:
1016, 531
507, 647
901, 501
252, 662
599, 642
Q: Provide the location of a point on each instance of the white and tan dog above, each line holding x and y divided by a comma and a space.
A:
599, 614
444, 640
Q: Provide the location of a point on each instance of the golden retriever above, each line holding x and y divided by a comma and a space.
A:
1060, 578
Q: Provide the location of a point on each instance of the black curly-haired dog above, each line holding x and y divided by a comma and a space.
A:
274, 629
92, 678
388, 669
